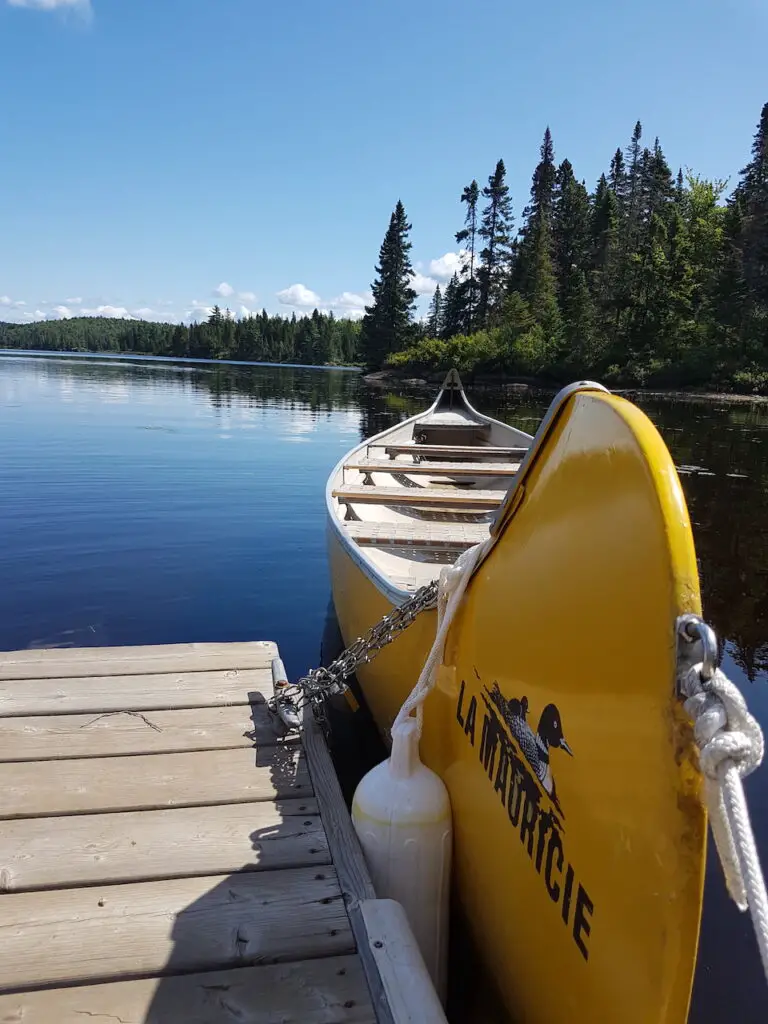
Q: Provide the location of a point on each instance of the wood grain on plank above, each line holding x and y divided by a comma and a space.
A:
104, 734
85, 849
345, 847
435, 468
66, 662
77, 695
327, 991
419, 496
149, 781
172, 926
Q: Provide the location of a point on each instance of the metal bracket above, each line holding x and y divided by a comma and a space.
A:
696, 645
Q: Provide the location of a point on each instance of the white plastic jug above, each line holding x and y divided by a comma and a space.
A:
402, 815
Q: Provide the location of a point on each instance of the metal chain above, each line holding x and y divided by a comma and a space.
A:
323, 682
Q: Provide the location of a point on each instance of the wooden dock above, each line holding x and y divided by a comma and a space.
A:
166, 856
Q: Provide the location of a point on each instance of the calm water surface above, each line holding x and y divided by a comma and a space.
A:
159, 503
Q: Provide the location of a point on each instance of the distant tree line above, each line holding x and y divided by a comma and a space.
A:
648, 279
318, 339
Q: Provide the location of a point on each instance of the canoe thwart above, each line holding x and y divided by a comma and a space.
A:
423, 497
436, 468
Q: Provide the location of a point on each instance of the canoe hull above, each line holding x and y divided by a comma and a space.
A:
582, 883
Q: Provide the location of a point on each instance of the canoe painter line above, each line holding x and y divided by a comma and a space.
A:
98, 808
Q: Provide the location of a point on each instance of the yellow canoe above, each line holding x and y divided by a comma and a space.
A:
579, 833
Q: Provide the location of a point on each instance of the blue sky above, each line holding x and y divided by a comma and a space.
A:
155, 151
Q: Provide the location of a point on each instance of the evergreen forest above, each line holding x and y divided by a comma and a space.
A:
650, 277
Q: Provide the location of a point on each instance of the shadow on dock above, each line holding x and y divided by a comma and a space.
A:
273, 936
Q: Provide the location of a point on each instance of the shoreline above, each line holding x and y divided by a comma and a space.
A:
386, 378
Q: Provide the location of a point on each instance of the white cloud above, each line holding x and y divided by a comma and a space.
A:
350, 304
421, 284
351, 300
5, 300
299, 295
144, 313
80, 6
448, 264
224, 290
61, 312
75, 301
247, 296
116, 312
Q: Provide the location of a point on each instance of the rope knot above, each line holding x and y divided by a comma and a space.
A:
723, 727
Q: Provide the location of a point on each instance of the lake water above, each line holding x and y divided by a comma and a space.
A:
150, 503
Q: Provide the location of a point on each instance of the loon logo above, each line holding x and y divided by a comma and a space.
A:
516, 761
535, 746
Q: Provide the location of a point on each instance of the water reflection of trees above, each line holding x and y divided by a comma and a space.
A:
729, 515
729, 512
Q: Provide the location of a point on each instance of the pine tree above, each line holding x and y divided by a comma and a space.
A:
387, 325
570, 225
753, 190
618, 182
571, 233
496, 230
533, 275
468, 235
435, 315
604, 245
453, 309
634, 164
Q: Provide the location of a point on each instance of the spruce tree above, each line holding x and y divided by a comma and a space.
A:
435, 315
495, 230
753, 190
468, 236
387, 325
570, 225
453, 309
534, 275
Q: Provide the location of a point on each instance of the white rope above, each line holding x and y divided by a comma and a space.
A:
453, 582
731, 746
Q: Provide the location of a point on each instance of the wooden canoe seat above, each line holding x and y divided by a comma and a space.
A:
437, 468
448, 451
420, 497
419, 535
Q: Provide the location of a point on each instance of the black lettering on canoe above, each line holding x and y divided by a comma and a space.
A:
527, 822
566, 908
554, 850
489, 740
514, 810
545, 823
469, 728
581, 923
502, 774
459, 719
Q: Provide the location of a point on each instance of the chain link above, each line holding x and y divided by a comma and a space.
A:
319, 683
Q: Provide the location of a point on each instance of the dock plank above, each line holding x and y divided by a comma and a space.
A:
328, 991
63, 662
105, 734
170, 927
151, 781
71, 695
89, 849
